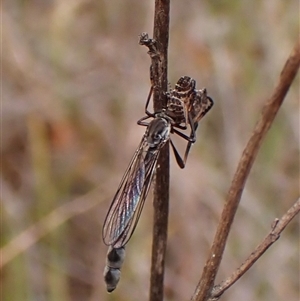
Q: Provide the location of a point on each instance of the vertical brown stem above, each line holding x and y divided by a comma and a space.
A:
161, 190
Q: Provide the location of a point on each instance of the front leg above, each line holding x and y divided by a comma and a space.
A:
194, 126
147, 103
191, 139
141, 121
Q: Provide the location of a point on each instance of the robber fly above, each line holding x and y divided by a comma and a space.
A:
185, 107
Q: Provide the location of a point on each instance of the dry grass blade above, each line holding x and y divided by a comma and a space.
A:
46, 225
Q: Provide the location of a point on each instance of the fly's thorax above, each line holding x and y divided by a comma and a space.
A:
158, 131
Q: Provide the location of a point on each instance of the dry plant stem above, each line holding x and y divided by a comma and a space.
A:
161, 191
270, 109
277, 227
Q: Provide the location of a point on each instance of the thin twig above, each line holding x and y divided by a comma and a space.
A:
158, 51
277, 227
205, 285
161, 190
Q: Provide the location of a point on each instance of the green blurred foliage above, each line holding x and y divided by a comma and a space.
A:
74, 82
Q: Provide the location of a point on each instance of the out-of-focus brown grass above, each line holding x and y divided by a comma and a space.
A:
74, 82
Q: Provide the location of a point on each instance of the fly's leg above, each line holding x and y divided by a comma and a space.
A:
191, 139
142, 122
149, 114
194, 127
147, 104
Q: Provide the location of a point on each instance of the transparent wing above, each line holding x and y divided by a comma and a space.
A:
128, 202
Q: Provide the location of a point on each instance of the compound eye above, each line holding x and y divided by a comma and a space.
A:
157, 137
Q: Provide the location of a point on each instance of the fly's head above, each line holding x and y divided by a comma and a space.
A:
158, 132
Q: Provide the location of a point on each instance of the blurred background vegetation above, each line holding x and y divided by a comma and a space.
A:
74, 83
